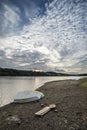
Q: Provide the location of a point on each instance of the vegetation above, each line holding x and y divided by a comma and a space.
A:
14, 72
83, 82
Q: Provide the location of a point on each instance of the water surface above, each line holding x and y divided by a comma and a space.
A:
9, 86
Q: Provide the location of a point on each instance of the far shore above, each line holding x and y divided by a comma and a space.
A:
70, 97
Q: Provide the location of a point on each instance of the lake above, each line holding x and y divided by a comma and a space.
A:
9, 86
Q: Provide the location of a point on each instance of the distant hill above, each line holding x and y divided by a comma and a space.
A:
14, 72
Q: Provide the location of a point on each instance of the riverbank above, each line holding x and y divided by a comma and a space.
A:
70, 97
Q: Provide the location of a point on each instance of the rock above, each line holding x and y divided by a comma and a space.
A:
9, 114
42, 105
60, 123
48, 125
13, 119
79, 113
19, 122
56, 110
66, 121
72, 128
27, 121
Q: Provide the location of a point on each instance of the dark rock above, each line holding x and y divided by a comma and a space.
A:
79, 113
42, 105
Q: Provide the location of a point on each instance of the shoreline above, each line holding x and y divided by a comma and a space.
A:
49, 79
70, 113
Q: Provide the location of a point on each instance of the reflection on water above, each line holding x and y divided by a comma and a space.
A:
9, 86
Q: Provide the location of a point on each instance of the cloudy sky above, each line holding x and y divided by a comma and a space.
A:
49, 35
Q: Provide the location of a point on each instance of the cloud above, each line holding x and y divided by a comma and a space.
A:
31, 11
10, 19
2, 53
54, 41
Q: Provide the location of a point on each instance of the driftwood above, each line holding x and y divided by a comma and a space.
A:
45, 110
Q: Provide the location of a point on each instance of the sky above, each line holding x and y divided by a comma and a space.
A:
47, 35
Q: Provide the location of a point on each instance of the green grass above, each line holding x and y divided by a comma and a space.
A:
84, 84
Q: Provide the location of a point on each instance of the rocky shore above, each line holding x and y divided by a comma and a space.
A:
70, 98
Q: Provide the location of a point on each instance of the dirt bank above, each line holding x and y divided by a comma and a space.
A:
70, 113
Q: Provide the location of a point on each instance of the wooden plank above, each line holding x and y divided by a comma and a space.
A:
45, 110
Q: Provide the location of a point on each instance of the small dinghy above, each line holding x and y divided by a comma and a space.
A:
76, 78
28, 96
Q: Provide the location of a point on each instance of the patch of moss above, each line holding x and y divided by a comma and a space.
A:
84, 84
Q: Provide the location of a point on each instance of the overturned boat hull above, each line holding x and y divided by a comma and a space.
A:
28, 96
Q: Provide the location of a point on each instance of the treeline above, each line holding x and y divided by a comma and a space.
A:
14, 72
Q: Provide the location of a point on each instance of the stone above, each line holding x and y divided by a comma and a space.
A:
56, 110
42, 105
14, 118
66, 121
71, 128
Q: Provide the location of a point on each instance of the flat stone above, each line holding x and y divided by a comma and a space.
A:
14, 118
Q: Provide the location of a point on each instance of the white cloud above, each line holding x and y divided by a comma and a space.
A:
10, 15
57, 37
10, 19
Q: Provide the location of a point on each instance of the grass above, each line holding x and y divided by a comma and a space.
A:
84, 84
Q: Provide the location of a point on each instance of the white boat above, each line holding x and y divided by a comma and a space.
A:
76, 78
28, 96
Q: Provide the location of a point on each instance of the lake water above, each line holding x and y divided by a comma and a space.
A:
9, 86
